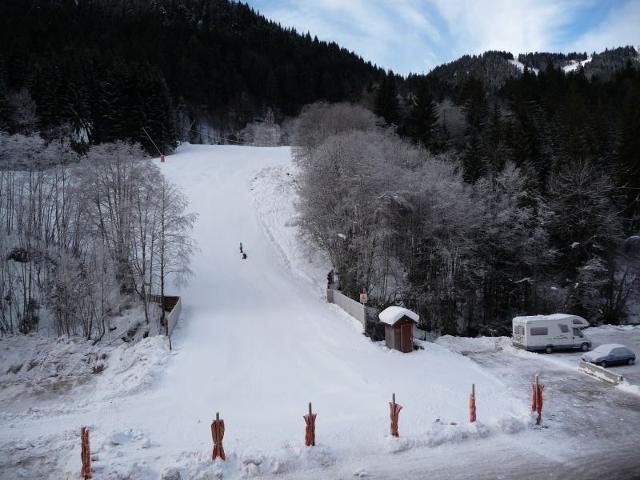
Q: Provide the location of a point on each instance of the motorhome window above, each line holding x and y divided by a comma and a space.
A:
577, 321
577, 332
539, 331
564, 329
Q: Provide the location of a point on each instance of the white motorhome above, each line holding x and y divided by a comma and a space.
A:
550, 332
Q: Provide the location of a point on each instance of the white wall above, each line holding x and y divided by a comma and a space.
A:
353, 308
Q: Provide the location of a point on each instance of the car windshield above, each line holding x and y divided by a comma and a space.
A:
602, 349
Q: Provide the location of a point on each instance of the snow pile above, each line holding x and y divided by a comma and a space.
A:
39, 456
440, 432
466, 345
45, 367
38, 372
133, 368
289, 459
629, 388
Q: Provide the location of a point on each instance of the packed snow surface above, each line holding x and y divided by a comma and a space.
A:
520, 66
575, 64
257, 341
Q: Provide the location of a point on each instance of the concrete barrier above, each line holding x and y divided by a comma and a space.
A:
600, 373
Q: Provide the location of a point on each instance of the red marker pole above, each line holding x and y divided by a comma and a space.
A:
537, 401
472, 404
217, 432
310, 428
394, 413
85, 453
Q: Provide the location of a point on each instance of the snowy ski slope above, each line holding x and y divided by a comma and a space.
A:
257, 341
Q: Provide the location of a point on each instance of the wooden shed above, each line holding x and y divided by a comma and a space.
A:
398, 328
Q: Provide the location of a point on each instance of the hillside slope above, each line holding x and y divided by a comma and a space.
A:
258, 342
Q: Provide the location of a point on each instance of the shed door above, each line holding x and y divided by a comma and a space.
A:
406, 337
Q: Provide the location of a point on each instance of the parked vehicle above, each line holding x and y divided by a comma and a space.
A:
610, 354
546, 333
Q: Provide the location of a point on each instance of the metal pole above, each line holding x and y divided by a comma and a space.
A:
218, 429
151, 140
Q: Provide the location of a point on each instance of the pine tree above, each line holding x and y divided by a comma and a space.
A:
5, 108
475, 110
628, 154
386, 100
421, 124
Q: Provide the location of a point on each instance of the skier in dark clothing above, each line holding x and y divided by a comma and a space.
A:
330, 279
244, 255
240, 247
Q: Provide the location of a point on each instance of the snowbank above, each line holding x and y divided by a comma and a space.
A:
274, 199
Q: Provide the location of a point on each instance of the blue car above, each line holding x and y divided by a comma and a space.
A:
610, 354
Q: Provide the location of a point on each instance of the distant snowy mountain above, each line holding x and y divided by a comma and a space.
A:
494, 68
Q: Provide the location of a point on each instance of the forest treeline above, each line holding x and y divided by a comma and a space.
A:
81, 236
102, 70
467, 248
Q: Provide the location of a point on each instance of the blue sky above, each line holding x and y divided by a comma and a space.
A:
416, 35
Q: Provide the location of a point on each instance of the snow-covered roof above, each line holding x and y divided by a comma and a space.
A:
553, 316
391, 315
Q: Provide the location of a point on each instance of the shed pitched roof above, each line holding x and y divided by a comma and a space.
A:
391, 315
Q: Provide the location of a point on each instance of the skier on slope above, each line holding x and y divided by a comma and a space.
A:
240, 247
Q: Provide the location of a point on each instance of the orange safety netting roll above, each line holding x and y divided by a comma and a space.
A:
536, 401
217, 433
472, 407
85, 454
394, 410
310, 429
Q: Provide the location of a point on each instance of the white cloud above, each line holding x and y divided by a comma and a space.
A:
523, 26
621, 27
